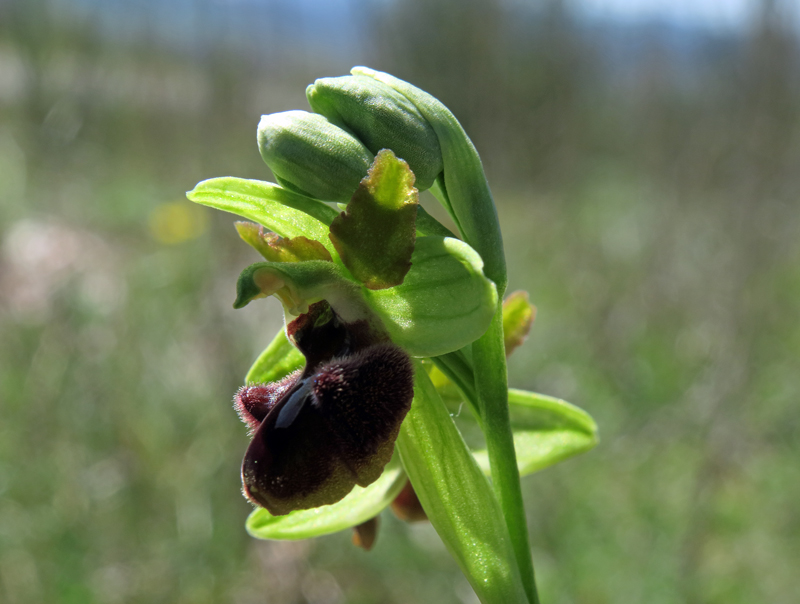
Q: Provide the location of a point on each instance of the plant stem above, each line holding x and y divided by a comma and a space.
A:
491, 382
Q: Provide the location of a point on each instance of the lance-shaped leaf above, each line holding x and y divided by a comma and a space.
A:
444, 303
457, 497
375, 235
287, 213
281, 249
278, 360
360, 505
518, 316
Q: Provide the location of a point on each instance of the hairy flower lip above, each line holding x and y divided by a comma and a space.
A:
321, 431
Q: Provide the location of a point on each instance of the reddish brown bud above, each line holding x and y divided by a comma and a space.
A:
364, 534
406, 506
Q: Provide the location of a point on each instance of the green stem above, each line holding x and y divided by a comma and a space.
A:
492, 385
458, 370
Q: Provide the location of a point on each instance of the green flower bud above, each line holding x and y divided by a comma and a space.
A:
312, 156
381, 118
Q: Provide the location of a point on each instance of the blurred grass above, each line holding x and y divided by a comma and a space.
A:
653, 223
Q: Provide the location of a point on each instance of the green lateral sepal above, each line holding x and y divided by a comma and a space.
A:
444, 303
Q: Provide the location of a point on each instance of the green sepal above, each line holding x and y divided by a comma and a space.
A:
381, 118
375, 235
299, 284
546, 430
457, 497
360, 505
278, 360
444, 303
312, 156
287, 213
518, 316
281, 249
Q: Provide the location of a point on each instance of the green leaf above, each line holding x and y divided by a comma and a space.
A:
457, 497
281, 249
278, 360
287, 213
444, 303
360, 505
546, 430
375, 235
518, 316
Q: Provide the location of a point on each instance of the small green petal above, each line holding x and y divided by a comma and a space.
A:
428, 225
518, 316
375, 235
281, 249
360, 505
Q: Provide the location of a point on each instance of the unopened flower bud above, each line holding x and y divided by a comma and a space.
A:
381, 118
312, 156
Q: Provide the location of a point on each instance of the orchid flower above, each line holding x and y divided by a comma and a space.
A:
392, 322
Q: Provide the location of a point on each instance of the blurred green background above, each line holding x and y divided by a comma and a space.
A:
647, 174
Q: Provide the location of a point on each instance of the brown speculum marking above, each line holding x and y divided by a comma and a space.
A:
321, 431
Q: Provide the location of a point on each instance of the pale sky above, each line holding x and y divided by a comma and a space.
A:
715, 14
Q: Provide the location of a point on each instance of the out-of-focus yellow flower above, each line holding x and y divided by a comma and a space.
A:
175, 222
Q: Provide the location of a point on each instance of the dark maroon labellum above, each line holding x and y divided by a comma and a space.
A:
320, 432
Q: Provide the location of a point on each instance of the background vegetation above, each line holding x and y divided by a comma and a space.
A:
647, 177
